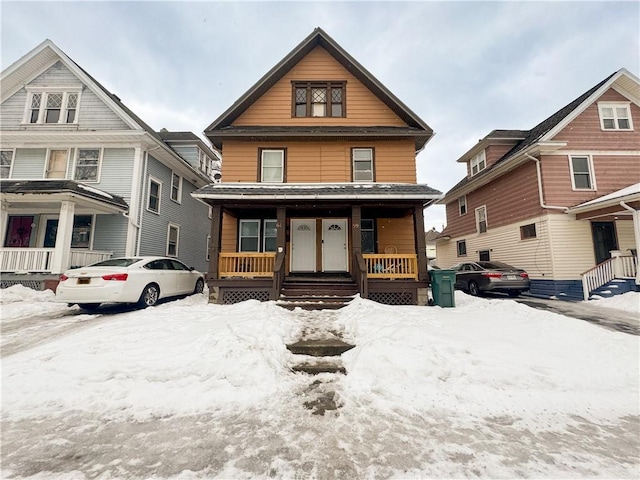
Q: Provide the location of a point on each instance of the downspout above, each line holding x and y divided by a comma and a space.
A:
540, 194
636, 232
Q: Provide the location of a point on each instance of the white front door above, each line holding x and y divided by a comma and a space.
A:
303, 245
334, 245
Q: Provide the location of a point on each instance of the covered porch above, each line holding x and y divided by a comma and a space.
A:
372, 234
48, 226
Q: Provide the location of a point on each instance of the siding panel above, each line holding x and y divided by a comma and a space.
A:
110, 234
117, 171
29, 163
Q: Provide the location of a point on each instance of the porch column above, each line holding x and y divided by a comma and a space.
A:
421, 246
216, 242
356, 237
281, 229
62, 250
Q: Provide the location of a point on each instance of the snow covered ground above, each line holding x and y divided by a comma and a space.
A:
629, 302
491, 388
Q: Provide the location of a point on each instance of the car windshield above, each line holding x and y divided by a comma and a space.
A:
495, 265
116, 262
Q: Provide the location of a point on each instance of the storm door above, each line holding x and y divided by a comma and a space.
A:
303, 245
334, 245
19, 228
604, 240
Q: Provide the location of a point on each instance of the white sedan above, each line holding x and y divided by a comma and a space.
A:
141, 280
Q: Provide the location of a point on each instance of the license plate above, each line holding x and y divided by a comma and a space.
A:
511, 277
84, 281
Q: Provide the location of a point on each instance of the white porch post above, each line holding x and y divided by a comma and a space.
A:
618, 271
636, 231
62, 252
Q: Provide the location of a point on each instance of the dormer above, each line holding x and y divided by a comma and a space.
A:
490, 150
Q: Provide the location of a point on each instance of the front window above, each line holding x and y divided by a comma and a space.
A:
615, 116
173, 234
249, 235
461, 247
153, 198
362, 164
87, 165
582, 173
478, 163
462, 205
176, 187
367, 233
318, 99
481, 219
6, 159
81, 235
270, 236
52, 107
272, 166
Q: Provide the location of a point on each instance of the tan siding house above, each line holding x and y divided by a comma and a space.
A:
561, 200
318, 182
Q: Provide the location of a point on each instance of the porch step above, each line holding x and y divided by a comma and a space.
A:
317, 368
617, 286
327, 347
317, 293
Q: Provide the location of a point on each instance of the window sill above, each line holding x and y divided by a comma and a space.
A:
62, 126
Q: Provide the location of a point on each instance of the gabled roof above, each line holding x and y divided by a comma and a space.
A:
547, 129
320, 38
187, 138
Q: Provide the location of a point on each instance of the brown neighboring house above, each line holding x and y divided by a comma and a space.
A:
558, 199
318, 183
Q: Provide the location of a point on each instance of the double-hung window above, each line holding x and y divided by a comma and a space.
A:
318, 99
6, 159
462, 205
153, 195
615, 116
478, 163
362, 164
481, 219
368, 235
176, 187
49, 107
581, 172
173, 236
272, 166
256, 235
87, 164
461, 248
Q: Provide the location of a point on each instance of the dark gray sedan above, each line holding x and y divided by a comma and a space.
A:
478, 277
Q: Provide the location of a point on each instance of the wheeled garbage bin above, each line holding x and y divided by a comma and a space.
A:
442, 287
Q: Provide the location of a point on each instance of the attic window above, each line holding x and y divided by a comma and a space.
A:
615, 116
51, 107
478, 163
318, 99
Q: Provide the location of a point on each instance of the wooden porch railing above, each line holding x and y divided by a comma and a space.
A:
41, 259
391, 266
246, 264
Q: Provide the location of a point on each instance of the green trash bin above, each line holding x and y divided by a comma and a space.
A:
442, 287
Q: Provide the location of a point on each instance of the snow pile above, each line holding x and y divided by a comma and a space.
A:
629, 302
19, 302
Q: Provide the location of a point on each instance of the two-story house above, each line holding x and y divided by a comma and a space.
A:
83, 178
556, 200
318, 183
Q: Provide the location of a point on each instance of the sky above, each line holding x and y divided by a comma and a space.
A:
465, 68
188, 389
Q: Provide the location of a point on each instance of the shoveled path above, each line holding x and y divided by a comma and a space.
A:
610, 318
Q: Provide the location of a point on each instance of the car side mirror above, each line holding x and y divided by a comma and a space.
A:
191, 269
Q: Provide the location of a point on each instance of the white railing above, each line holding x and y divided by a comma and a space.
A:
597, 276
629, 266
41, 259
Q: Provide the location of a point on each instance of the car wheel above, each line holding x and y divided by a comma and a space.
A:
199, 286
474, 289
150, 296
513, 293
89, 306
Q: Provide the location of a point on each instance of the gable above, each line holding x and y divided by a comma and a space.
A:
363, 108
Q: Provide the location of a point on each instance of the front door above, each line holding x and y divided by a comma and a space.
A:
604, 240
19, 231
303, 245
334, 245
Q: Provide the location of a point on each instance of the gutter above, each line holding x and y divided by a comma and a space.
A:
540, 194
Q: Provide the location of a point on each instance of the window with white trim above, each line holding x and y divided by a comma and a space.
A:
478, 163
461, 248
481, 219
615, 116
87, 164
362, 164
176, 187
272, 166
6, 161
581, 172
153, 195
462, 205
173, 236
257, 235
48, 107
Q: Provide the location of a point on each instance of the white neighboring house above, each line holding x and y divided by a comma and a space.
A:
83, 178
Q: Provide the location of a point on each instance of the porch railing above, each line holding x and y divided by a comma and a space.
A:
391, 266
603, 273
246, 264
41, 259
629, 266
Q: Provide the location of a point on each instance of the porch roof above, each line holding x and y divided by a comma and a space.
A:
350, 192
34, 191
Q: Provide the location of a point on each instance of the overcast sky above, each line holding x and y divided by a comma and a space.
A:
465, 68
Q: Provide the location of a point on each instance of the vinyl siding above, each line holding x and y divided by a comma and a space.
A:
626, 238
29, 163
110, 234
505, 245
571, 247
117, 171
394, 160
190, 215
363, 107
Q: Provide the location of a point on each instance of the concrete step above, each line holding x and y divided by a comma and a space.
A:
315, 368
331, 347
